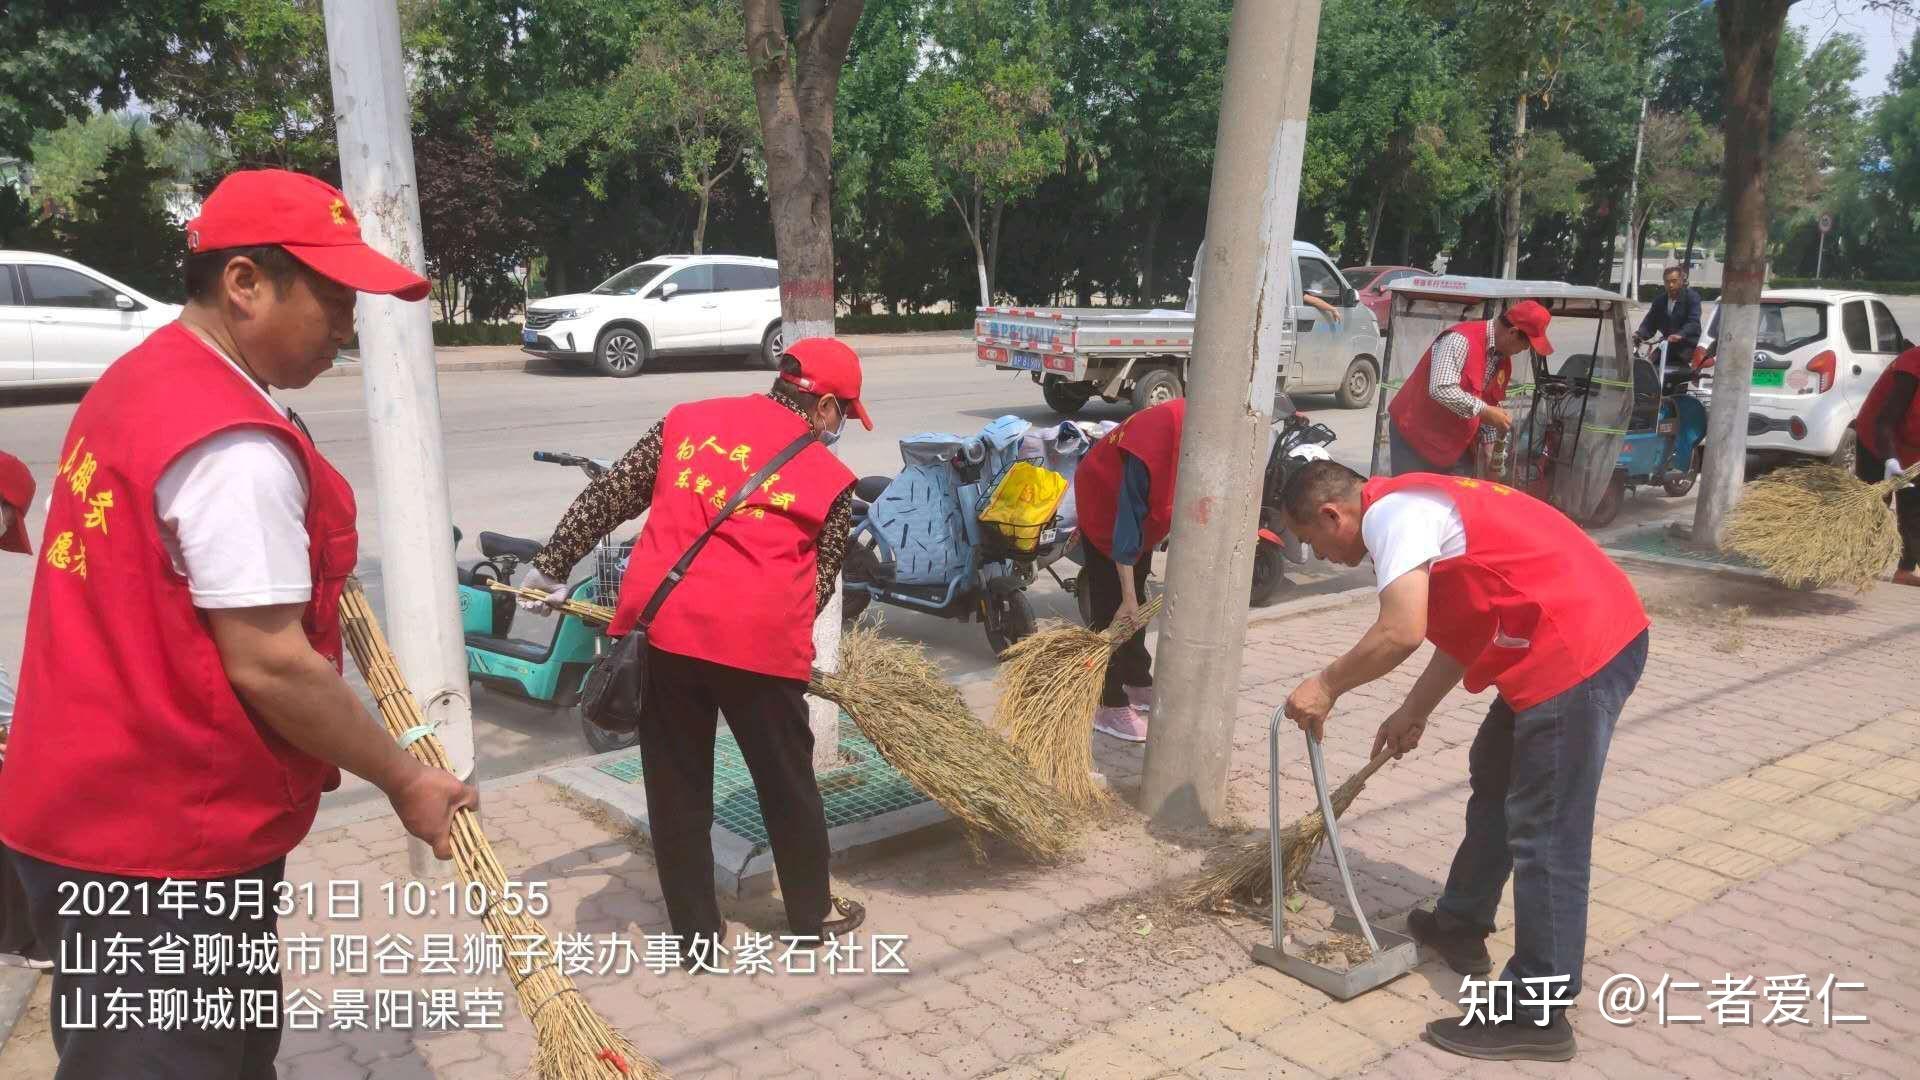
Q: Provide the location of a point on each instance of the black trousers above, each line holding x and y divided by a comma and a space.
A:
1872, 468
16, 924
1132, 665
191, 1052
768, 718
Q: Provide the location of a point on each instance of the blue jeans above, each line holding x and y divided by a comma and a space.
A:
1535, 776
1403, 458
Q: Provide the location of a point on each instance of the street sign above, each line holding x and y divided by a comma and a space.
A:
1826, 224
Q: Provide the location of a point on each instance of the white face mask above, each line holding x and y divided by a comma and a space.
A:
828, 438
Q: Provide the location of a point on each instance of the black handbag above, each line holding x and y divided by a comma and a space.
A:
610, 696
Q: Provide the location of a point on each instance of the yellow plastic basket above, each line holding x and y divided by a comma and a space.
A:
1023, 504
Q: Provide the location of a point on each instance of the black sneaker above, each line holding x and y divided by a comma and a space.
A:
1523, 1038
1464, 951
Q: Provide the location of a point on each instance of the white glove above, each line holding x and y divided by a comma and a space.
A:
556, 593
1894, 468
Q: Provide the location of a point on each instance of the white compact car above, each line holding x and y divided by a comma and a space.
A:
63, 323
1818, 354
668, 304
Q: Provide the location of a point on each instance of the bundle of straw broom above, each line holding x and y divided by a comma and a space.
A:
921, 726
1049, 688
573, 1041
1818, 525
1244, 872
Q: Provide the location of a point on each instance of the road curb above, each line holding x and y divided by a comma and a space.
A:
535, 365
16, 993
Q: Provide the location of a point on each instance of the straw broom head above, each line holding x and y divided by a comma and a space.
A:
1817, 525
1243, 869
1049, 688
572, 1041
921, 726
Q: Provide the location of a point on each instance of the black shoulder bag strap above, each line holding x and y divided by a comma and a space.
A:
680, 568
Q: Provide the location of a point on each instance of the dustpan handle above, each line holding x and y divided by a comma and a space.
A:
1273, 830
1333, 838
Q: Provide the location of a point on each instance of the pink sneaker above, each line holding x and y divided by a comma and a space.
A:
1121, 722
1141, 698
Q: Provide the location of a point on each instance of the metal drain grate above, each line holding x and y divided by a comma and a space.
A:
865, 788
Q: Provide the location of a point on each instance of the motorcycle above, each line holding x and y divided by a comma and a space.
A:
548, 672
1293, 440
917, 541
1663, 435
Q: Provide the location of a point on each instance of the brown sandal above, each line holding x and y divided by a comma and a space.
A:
852, 914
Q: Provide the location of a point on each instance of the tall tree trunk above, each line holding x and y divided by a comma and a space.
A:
1749, 40
700, 223
1155, 209
1693, 233
1630, 276
976, 224
794, 86
993, 246
1406, 242
1510, 262
1373, 222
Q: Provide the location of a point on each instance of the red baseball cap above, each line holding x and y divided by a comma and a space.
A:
308, 217
16, 490
828, 366
1531, 319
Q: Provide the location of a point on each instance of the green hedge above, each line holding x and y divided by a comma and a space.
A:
902, 324
1889, 288
476, 333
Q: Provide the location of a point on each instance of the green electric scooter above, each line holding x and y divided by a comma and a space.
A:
548, 672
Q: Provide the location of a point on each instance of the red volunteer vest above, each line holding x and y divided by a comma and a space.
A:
1151, 436
1534, 607
1441, 436
1906, 433
748, 598
130, 753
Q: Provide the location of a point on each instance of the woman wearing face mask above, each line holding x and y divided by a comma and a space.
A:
735, 636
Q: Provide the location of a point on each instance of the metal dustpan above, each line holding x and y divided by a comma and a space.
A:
1393, 954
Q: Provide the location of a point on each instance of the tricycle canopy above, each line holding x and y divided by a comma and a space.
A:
1567, 437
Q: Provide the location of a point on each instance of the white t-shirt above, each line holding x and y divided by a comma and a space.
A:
233, 516
1408, 530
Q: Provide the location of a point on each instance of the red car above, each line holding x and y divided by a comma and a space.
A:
1369, 281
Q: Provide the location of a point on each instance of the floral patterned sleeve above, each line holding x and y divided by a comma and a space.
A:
623, 494
831, 547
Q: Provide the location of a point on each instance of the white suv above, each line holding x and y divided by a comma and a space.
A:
1818, 353
668, 304
61, 322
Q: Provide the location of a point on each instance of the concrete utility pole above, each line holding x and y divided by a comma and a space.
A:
403, 398
1242, 316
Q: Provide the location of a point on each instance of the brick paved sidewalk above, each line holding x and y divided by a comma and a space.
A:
1758, 819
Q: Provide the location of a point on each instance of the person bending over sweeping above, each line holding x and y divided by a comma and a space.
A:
1888, 430
735, 636
1124, 492
1515, 596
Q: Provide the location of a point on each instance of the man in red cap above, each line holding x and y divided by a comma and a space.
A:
1514, 596
735, 634
1458, 386
181, 701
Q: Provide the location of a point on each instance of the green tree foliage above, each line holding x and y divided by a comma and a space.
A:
119, 225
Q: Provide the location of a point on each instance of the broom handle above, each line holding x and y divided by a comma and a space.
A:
579, 609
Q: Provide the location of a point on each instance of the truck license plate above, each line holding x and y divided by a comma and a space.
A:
1024, 361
